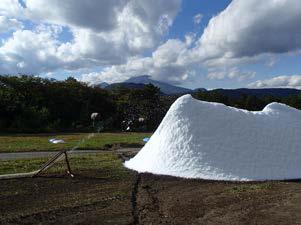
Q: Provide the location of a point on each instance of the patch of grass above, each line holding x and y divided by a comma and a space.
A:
21, 165
40, 142
251, 187
107, 163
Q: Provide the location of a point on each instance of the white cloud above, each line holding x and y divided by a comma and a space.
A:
232, 73
28, 51
105, 33
197, 19
161, 66
245, 32
7, 24
11, 8
169, 52
138, 66
246, 29
113, 74
293, 81
190, 39
127, 27
103, 15
96, 15
117, 34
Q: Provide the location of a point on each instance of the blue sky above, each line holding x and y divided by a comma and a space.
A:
183, 23
191, 43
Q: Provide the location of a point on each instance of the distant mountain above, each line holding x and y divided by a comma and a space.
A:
102, 85
276, 92
199, 89
164, 87
124, 85
168, 89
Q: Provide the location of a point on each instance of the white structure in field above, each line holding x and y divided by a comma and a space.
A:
199, 139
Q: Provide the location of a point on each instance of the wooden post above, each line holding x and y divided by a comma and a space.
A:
68, 165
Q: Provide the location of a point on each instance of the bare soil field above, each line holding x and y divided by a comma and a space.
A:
169, 200
111, 195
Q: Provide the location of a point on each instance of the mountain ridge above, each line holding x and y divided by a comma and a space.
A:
168, 89
164, 87
140, 81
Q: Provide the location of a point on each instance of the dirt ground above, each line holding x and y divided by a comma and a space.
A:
93, 197
168, 200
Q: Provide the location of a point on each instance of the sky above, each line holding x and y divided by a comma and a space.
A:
189, 43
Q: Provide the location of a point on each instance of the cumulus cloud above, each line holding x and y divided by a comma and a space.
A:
28, 51
117, 35
7, 24
162, 65
105, 33
245, 32
127, 27
96, 15
169, 52
11, 8
293, 81
197, 19
246, 29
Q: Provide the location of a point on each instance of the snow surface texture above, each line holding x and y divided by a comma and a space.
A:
206, 140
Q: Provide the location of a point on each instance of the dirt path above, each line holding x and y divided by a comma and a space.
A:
31, 155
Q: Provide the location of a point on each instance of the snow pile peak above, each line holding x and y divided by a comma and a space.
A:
199, 139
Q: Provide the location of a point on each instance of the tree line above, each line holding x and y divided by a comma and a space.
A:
34, 104
249, 102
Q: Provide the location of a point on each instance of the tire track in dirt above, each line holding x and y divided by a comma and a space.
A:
134, 197
135, 210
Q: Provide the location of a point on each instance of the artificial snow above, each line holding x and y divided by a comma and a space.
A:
146, 139
206, 140
56, 141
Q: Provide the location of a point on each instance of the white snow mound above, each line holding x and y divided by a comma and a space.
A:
206, 140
